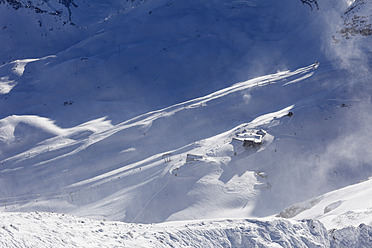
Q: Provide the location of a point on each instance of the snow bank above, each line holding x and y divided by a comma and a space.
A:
38, 229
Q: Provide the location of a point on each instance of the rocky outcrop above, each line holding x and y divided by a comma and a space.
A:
357, 20
40, 6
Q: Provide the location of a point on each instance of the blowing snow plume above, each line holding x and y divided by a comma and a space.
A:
350, 51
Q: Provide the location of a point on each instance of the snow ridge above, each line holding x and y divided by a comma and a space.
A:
38, 229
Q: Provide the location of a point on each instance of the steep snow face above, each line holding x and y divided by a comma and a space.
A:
38, 229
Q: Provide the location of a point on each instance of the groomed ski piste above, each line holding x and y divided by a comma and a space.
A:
100, 145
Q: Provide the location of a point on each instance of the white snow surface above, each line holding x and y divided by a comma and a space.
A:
115, 113
38, 229
349, 206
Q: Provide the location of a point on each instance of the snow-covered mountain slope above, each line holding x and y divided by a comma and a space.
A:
156, 111
38, 229
126, 163
138, 177
158, 54
349, 206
